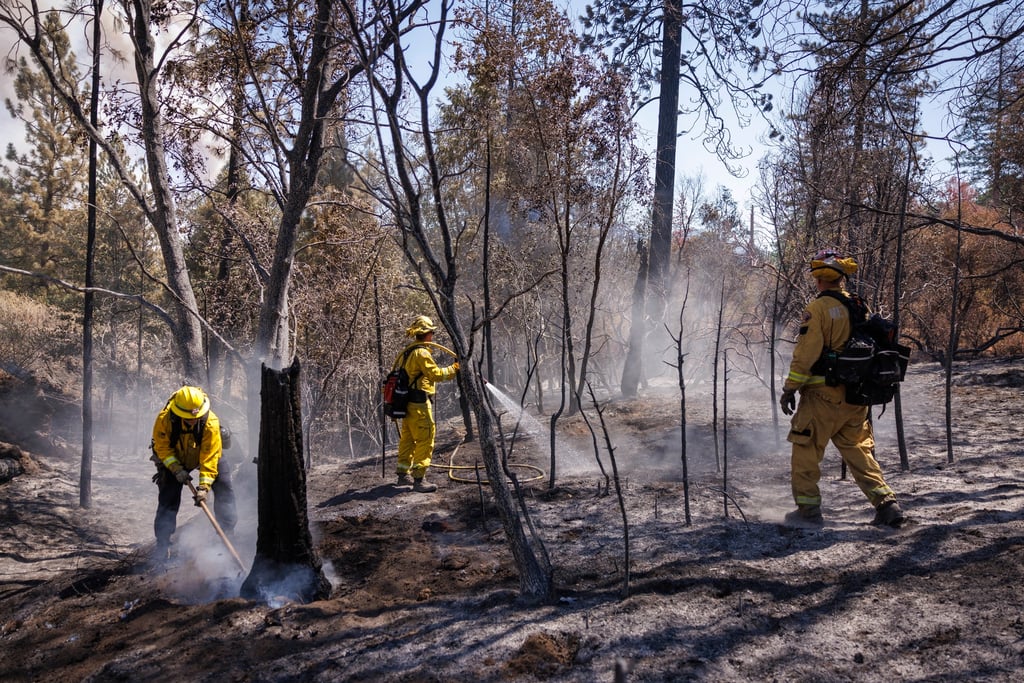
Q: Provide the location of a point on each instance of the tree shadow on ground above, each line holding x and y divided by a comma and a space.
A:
377, 493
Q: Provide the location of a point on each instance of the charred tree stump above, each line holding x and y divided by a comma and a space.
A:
287, 566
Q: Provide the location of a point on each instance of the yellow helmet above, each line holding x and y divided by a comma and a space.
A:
421, 325
829, 265
190, 403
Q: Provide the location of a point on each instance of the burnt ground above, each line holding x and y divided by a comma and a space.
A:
424, 588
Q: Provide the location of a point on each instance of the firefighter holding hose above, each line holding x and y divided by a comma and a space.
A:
187, 438
416, 441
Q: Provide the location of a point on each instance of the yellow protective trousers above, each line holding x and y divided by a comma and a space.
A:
822, 416
416, 441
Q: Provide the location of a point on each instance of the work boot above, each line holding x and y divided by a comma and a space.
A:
161, 555
422, 486
404, 479
889, 514
805, 515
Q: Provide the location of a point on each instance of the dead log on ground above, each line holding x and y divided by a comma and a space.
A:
14, 462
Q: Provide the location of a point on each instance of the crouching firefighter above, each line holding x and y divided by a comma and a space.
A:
823, 414
187, 437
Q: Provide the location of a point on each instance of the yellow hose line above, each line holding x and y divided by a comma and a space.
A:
451, 468
430, 343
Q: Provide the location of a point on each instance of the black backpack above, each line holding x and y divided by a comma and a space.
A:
872, 363
398, 390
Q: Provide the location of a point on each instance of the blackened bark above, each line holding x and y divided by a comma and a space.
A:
652, 277
287, 565
665, 154
632, 369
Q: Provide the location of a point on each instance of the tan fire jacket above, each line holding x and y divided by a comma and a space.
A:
826, 323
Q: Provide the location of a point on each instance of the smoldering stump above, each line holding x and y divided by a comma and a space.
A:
287, 565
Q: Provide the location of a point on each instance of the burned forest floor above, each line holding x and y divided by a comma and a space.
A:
424, 586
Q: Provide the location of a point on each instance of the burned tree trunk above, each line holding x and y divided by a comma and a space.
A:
287, 565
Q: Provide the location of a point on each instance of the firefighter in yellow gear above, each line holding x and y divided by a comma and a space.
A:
187, 438
823, 414
416, 440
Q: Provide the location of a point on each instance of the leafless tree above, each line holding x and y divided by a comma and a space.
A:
697, 46
410, 188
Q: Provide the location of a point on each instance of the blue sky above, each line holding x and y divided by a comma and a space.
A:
692, 157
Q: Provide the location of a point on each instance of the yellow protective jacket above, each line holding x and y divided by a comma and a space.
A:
204, 456
826, 323
424, 372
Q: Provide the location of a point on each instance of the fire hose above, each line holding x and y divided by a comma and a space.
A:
434, 344
216, 527
538, 472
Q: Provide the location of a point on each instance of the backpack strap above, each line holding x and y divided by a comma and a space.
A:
858, 313
404, 357
401, 357
854, 305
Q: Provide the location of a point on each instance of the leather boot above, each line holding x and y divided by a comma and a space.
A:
805, 515
889, 514
422, 486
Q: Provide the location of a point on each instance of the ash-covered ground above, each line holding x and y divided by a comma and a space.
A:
424, 588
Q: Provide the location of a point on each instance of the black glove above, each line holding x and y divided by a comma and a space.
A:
200, 496
788, 402
182, 476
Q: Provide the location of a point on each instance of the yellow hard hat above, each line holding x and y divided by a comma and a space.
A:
190, 403
828, 265
421, 325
